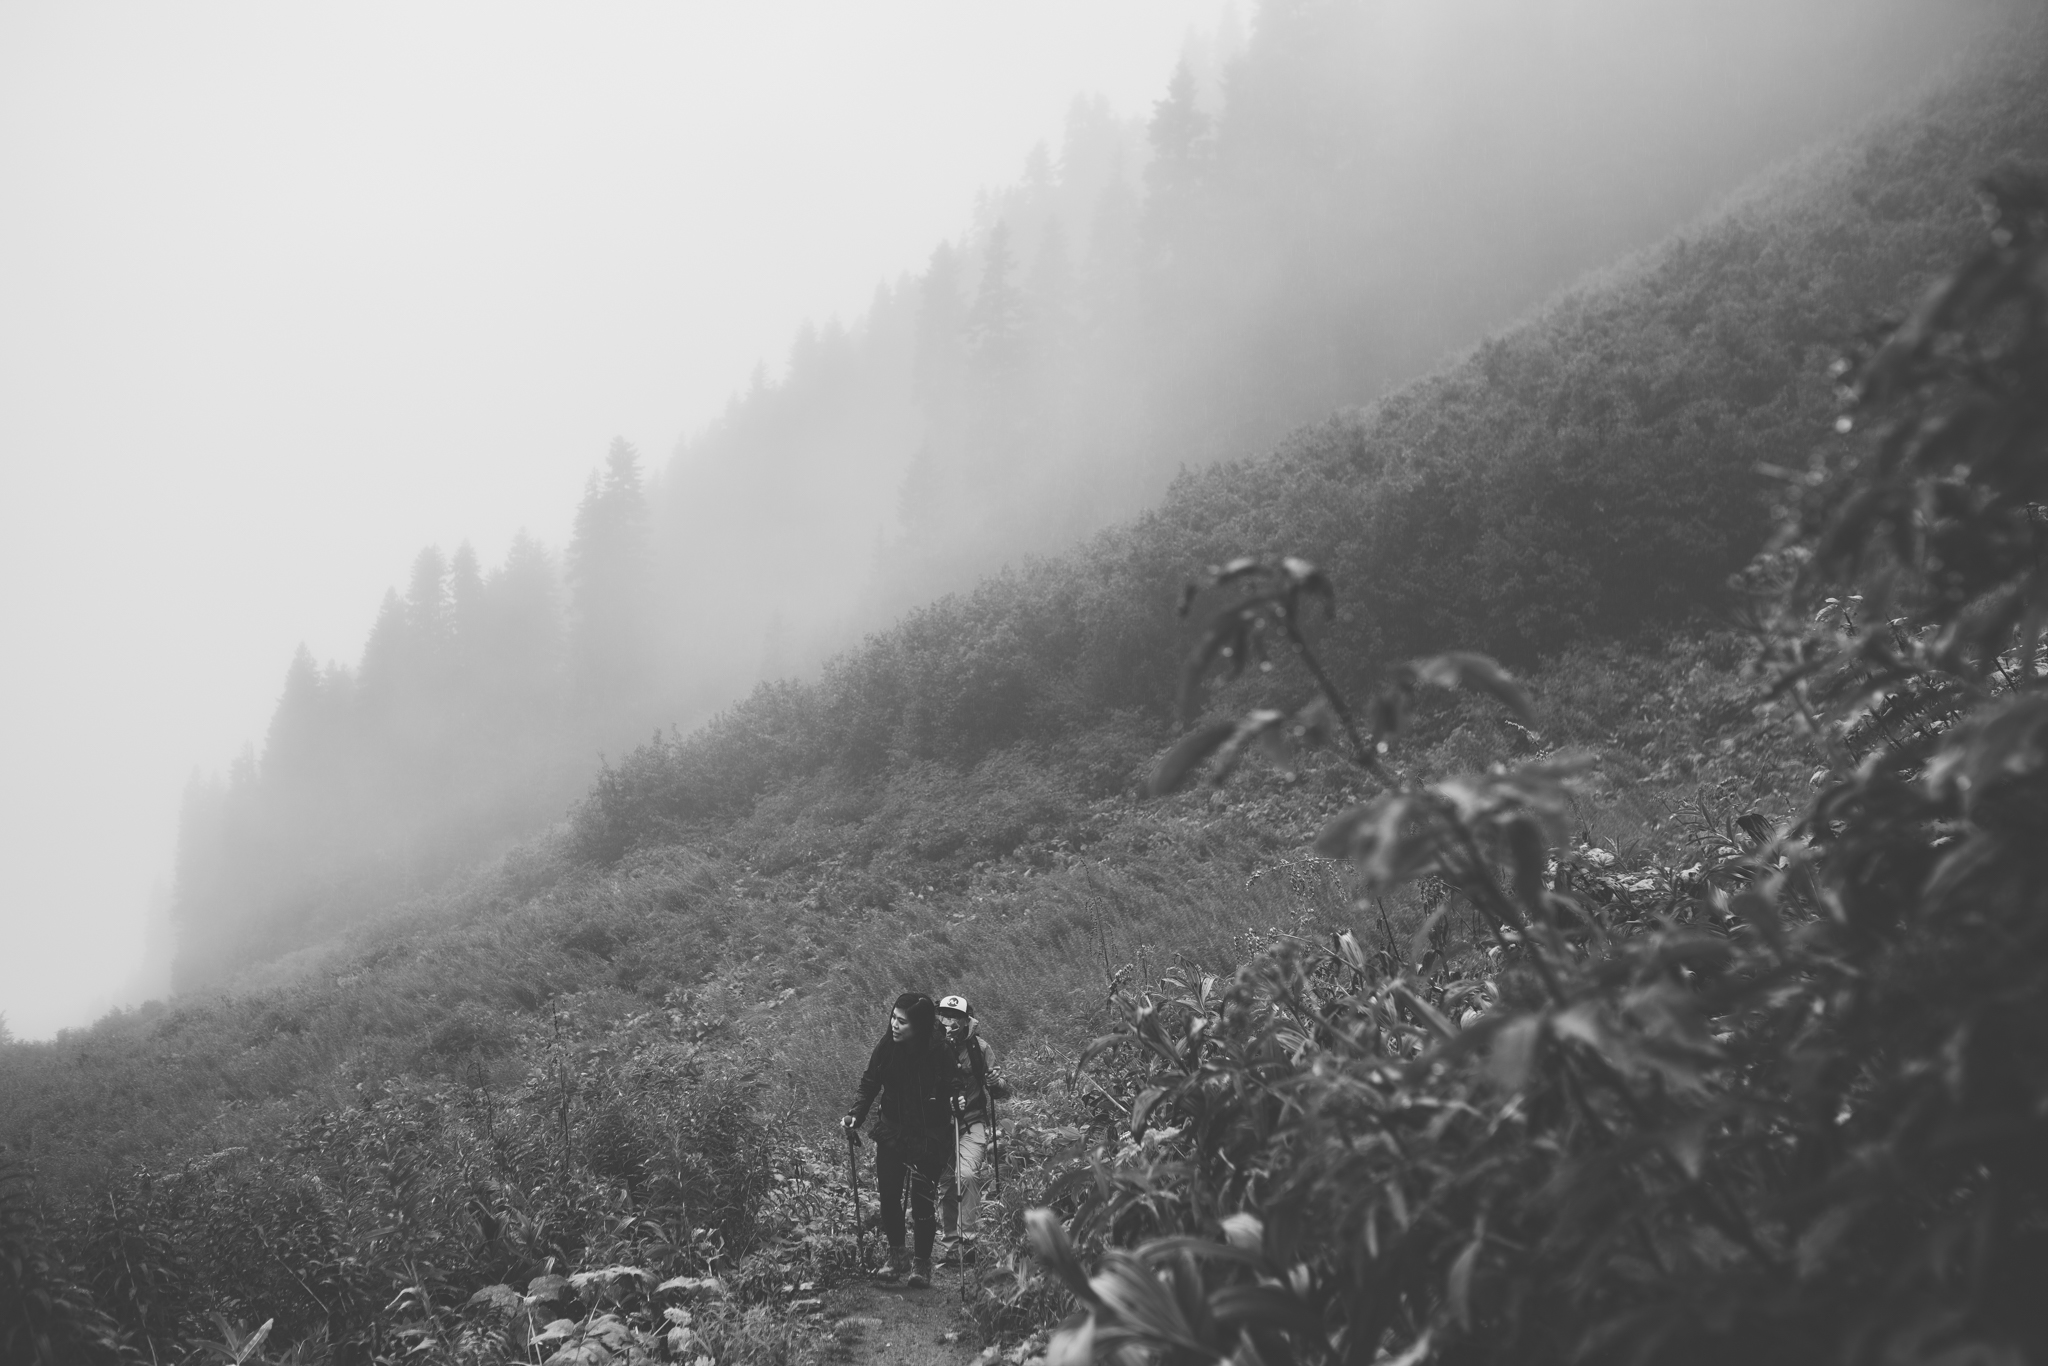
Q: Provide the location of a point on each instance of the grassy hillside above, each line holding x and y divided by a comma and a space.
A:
551, 1060
583, 1063
1591, 475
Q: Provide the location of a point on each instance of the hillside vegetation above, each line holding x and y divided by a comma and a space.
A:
1597, 473
603, 1052
1319, 207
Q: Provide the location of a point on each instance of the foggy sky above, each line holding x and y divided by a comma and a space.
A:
288, 292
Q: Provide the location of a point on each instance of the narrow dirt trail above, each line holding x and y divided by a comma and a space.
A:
888, 1325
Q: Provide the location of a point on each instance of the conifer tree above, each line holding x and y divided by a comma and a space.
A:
610, 599
1183, 150
465, 592
941, 322
520, 630
995, 323
293, 748
384, 650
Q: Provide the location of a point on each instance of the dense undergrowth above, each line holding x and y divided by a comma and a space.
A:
450, 1101
1790, 1106
604, 1056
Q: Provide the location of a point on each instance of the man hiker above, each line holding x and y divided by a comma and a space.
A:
911, 1070
975, 1084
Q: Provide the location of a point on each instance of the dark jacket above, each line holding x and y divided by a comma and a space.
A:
915, 1083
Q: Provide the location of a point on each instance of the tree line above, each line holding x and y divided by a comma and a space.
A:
467, 720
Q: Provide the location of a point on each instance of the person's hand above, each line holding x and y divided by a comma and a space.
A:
848, 1123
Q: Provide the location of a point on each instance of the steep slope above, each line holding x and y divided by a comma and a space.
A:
1318, 208
1598, 472
1595, 467
496, 1076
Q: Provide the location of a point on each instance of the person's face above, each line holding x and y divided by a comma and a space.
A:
899, 1026
956, 1027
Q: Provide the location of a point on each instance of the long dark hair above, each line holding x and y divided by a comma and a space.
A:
922, 1013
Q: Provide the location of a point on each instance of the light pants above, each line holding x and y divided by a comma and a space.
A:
962, 1212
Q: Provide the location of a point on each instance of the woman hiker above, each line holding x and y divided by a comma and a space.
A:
975, 1082
912, 1071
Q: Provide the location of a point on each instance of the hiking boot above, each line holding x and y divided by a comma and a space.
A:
920, 1273
899, 1264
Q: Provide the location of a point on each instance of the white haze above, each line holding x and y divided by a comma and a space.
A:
287, 293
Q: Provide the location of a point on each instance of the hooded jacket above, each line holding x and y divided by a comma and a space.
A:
914, 1081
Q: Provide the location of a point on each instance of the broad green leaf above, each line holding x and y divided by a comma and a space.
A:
1686, 1141
255, 1342
1232, 570
1475, 672
1757, 910
1418, 943
1581, 1022
1433, 1017
1513, 1054
1141, 1108
1414, 1354
1073, 1346
1264, 727
1349, 829
1126, 1288
709, 1284
1308, 581
1268, 1305
1529, 853
1200, 1248
1186, 757
1458, 1285
1048, 1239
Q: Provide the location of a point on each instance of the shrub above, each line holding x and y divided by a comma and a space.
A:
46, 1317
1790, 1106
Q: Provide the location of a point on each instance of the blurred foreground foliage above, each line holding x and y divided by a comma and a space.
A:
1790, 1107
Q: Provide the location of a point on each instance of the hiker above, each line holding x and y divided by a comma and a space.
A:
976, 1084
911, 1071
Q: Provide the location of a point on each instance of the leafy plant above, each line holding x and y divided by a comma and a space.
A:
46, 1317
1798, 1110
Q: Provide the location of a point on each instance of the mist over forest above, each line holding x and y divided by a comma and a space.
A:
1324, 201
1442, 635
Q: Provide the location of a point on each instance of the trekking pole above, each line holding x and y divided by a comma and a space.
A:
860, 1246
995, 1147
